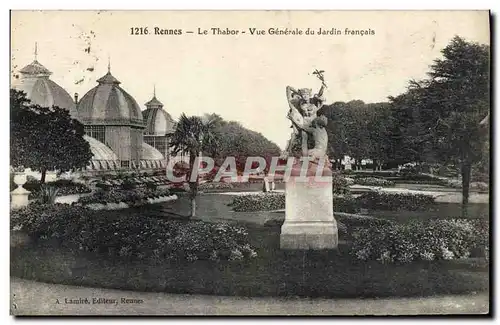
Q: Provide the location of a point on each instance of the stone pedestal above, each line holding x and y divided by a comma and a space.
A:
20, 194
309, 221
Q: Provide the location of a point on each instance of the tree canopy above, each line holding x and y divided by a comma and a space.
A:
45, 138
234, 140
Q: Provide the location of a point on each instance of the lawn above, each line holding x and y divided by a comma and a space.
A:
273, 273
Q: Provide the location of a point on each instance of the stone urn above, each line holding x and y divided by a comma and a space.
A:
20, 194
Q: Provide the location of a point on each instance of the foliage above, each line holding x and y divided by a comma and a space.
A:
347, 203
373, 181
438, 119
126, 196
64, 187
395, 201
192, 136
258, 202
47, 194
434, 239
45, 138
134, 237
359, 130
215, 186
47, 220
340, 184
240, 142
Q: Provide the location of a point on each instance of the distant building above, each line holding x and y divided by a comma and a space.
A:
159, 124
121, 136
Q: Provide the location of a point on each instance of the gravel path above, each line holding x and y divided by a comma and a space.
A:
35, 298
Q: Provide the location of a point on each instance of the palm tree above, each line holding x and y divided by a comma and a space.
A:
192, 136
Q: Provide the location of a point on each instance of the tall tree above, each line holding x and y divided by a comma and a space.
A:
45, 138
380, 140
192, 136
448, 107
234, 140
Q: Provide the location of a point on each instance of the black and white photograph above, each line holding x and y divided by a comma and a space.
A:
250, 163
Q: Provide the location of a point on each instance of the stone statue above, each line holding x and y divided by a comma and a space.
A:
309, 220
307, 126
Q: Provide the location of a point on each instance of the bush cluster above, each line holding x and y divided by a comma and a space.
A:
63, 186
373, 181
259, 202
395, 201
346, 203
215, 186
340, 184
435, 239
131, 197
134, 236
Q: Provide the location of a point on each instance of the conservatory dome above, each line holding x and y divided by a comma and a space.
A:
151, 158
104, 157
109, 104
150, 153
41, 90
157, 120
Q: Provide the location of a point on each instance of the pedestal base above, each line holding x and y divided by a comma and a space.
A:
310, 236
19, 198
309, 221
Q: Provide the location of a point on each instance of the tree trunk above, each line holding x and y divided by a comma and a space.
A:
193, 207
466, 171
44, 173
193, 186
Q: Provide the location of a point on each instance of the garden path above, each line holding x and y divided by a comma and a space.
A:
36, 298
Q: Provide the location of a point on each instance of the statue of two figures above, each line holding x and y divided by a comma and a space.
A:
309, 137
309, 220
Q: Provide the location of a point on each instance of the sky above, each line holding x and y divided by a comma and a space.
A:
240, 77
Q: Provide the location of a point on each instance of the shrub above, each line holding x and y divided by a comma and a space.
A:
136, 236
353, 221
259, 202
47, 194
373, 181
395, 201
346, 204
480, 186
64, 187
215, 186
48, 220
126, 196
436, 239
340, 184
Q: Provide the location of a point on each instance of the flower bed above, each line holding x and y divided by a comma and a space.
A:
363, 174
135, 237
64, 187
395, 201
435, 239
373, 181
119, 199
258, 202
210, 186
340, 184
347, 203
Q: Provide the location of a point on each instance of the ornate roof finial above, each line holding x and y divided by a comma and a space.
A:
154, 90
36, 50
109, 64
